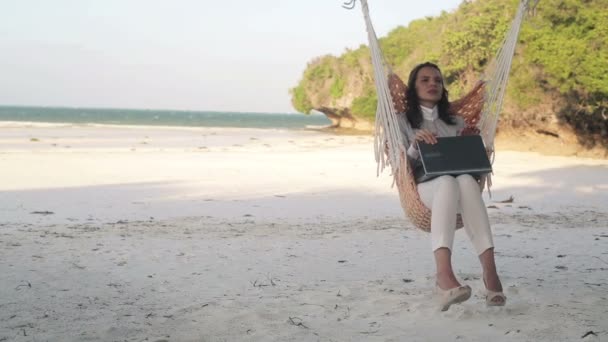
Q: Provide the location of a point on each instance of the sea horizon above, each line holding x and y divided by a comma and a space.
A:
159, 117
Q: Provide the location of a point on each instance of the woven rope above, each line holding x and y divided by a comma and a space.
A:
498, 76
415, 210
479, 108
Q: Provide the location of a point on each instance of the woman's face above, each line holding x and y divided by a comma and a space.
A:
429, 86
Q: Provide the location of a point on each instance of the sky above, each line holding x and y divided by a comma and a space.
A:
218, 55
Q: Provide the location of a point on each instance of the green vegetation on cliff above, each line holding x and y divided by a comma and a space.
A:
558, 73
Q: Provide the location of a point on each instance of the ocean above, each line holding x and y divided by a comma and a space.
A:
144, 117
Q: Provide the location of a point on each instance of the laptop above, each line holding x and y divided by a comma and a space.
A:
452, 156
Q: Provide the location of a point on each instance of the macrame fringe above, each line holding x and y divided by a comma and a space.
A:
388, 140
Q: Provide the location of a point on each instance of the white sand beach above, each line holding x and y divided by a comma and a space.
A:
172, 234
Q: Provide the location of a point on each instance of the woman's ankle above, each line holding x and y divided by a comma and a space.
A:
447, 280
492, 281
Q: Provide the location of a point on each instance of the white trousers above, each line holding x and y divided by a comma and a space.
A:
446, 196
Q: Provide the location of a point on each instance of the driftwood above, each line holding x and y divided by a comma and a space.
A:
341, 117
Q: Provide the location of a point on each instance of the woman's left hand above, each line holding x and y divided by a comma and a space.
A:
426, 136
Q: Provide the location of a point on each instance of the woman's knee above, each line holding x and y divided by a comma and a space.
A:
447, 185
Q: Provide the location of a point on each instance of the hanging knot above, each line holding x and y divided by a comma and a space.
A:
350, 5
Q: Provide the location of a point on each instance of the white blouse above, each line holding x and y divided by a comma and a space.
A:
430, 122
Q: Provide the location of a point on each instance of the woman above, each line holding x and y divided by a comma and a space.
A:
427, 114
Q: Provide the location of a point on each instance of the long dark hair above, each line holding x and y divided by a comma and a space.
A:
413, 112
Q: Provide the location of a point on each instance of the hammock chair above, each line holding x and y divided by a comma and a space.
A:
479, 109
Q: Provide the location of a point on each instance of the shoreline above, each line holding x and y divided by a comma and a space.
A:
528, 140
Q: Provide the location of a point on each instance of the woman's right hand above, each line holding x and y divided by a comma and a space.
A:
426, 136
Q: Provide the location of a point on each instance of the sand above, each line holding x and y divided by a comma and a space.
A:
206, 234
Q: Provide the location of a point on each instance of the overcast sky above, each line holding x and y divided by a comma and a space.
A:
182, 54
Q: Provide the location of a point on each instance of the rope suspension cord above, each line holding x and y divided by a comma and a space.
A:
499, 74
387, 133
